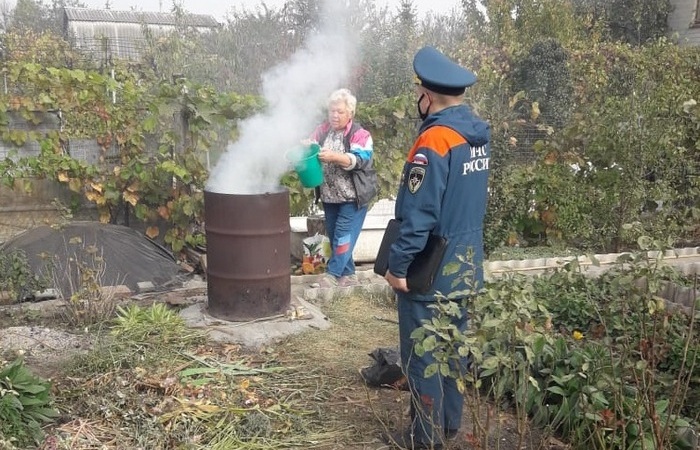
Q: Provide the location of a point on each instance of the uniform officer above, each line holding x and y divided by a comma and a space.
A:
443, 191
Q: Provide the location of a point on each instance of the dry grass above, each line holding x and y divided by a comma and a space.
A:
359, 325
302, 392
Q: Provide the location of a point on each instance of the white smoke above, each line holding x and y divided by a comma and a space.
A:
296, 92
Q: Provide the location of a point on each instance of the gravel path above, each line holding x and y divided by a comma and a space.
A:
43, 349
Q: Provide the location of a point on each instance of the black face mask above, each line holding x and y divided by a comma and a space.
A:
422, 114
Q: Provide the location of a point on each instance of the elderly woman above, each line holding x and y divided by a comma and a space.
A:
349, 183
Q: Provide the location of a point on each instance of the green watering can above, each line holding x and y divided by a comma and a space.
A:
307, 165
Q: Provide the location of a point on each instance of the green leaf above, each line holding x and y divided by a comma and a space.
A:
198, 371
200, 382
487, 373
430, 370
680, 422
46, 413
418, 349
593, 417
557, 390
31, 401
444, 369
561, 380
492, 323
78, 75
150, 123
490, 363
451, 268
661, 406
534, 383
430, 343
33, 388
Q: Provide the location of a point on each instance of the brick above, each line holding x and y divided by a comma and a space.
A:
145, 286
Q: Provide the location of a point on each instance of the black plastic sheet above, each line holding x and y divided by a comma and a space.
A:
113, 254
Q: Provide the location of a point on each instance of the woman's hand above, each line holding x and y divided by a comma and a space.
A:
329, 156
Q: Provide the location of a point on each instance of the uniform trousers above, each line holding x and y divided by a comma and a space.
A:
436, 403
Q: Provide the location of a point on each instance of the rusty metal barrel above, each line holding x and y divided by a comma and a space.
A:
248, 254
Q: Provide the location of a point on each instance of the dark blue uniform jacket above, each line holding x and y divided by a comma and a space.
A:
444, 191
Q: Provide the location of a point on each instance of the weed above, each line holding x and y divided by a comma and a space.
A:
87, 303
155, 325
17, 278
25, 404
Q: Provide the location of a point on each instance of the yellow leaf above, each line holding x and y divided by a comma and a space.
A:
95, 197
164, 212
535, 112
96, 186
105, 216
130, 197
245, 384
63, 177
577, 335
307, 268
208, 408
75, 185
550, 158
515, 99
152, 232
117, 170
27, 186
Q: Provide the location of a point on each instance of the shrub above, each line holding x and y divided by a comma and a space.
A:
544, 76
17, 278
597, 360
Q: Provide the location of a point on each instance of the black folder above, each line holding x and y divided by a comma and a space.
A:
422, 271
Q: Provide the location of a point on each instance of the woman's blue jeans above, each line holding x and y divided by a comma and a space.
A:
343, 225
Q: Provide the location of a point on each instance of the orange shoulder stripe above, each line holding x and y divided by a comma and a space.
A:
439, 138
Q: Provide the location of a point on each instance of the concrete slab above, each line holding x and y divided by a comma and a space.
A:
302, 316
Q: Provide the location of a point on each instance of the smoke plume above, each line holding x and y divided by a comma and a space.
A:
295, 92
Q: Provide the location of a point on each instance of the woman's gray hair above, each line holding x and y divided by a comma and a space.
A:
345, 96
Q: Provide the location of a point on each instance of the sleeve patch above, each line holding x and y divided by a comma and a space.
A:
415, 179
420, 159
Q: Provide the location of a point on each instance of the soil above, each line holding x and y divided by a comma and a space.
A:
37, 332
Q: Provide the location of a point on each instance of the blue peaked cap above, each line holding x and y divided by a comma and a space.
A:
440, 74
